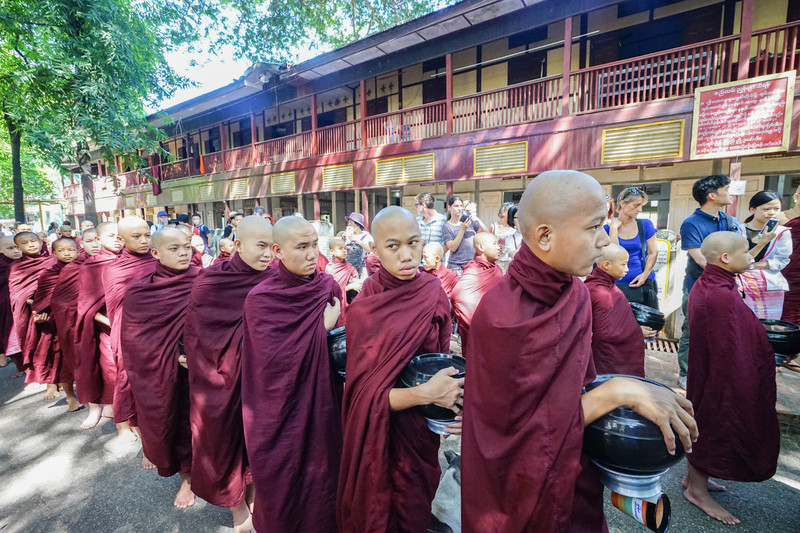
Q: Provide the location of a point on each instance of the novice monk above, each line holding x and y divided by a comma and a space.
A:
212, 336
731, 379
432, 255
48, 352
292, 424
159, 382
225, 250
530, 345
133, 263
344, 273
95, 369
8, 254
479, 275
390, 467
205, 259
197, 255
617, 339
45, 242
23, 278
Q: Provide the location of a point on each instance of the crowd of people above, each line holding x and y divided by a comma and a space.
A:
218, 367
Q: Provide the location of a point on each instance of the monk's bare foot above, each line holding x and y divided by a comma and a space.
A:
108, 411
242, 520
713, 486
147, 464
125, 442
245, 527
51, 392
73, 404
706, 503
92, 418
4, 361
185, 497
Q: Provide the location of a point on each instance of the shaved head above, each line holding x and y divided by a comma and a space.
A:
434, 248
614, 261
166, 236
286, 227
7, 240
388, 217
187, 230
26, 234
128, 225
483, 240
89, 232
106, 227
613, 252
254, 240
397, 241
253, 227
134, 234
296, 245
554, 196
721, 242
226, 244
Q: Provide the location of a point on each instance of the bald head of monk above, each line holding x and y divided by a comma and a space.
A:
65, 249
486, 246
296, 245
397, 241
186, 229
28, 243
338, 249
109, 237
226, 245
561, 216
254, 242
9, 248
134, 234
727, 250
172, 248
90, 242
614, 261
432, 254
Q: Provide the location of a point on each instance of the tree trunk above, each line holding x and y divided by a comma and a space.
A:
87, 184
15, 137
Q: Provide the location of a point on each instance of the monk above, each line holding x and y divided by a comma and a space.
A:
730, 381
390, 467
791, 300
213, 335
45, 242
23, 278
95, 369
199, 246
225, 250
617, 339
432, 255
8, 254
133, 263
345, 274
159, 381
197, 256
48, 354
479, 275
292, 425
530, 345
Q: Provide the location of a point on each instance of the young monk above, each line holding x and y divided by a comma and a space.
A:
730, 381
8, 254
225, 250
292, 425
432, 255
617, 339
23, 278
95, 369
133, 263
345, 274
530, 345
45, 242
213, 335
48, 354
197, 255
159, 381
479, 275
199, 246
390, 468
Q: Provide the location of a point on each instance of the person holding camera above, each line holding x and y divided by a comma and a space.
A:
638, 237
459, 231
770, 246
507, 235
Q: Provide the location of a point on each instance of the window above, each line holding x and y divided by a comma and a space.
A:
526, 67
211, 141
526, 37
434, 89
240, 133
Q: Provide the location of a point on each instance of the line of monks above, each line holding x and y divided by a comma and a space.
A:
224, 374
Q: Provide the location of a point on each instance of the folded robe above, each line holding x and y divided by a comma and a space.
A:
23, 277
617, 339
447, 277
64, 306
197, 258
95, 369
372, 263
118, 275
791, 299
390, 467
731, 383
343, 273
6, 316
292, 424
213, 337
159, 384
522, 464
48, 356
223, 256
477, 278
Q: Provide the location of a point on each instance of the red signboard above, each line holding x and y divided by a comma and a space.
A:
742, 118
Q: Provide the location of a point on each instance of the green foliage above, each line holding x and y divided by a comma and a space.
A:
35, 180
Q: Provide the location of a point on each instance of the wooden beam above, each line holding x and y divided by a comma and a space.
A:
745, 34
313, 124
567, 66
363, 105
317, 209
449, 92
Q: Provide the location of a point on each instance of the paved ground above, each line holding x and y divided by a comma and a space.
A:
56, 478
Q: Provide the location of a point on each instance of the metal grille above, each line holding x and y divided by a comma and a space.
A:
282, 183
205, 193
660, 140
239, 188
404, 169
501, 159
337, 177
176, 196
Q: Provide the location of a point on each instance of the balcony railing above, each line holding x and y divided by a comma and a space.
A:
283, 149
132, 179
777, 50
413, 124
175, 170
342, 137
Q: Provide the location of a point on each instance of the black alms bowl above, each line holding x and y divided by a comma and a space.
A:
337, 348
648, 316
784, 337
422, 368
626, 442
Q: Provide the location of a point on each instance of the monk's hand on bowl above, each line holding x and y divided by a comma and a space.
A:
446, 391
331, 315
649, 333
455, 429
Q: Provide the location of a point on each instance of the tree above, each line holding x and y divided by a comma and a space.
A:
35, 181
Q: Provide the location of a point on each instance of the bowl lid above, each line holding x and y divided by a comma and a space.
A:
423, 367
336, 331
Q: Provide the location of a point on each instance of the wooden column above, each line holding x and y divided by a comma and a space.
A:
363, 106
317, 209
449, 190
253, 139
567, 66
313, 124
448, 59
735, 173
300, 204
745, 34
223, 139
365, 207
334, 211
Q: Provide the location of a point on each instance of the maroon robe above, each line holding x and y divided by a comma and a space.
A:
478, 277
6, 316
48, 356
95, 368
447, 277
292, 424
731, 383
160, 385
213, 337
64, 307
322, 262
118, 275
223, 256
522, 463
791, 299
23, 278
197, 257
617, 339
372, 263
390, 467
343, 273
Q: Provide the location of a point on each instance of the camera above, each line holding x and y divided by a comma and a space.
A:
511, 215
464, 216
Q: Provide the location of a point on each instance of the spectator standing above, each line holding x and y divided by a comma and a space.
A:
458, 234
638, 237
233, 221
430, 221
358, 241
507, 235
163, 220
201, 230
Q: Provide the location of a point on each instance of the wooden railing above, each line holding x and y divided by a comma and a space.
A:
289, 148
337, 138
237, 158
413, 124
776, 50
175, 170
132, 179
71, 192
526, 102
213, 163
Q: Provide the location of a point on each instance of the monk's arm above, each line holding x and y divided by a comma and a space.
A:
103, 319
442, 390
697, 256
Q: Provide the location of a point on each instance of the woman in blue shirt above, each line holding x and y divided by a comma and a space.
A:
633, 234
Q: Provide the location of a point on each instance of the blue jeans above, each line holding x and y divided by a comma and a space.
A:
683, 345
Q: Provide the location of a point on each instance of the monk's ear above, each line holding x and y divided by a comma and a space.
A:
373, 248
725, 258
237, 244
154, 253
543, 236
604, 265
276, 250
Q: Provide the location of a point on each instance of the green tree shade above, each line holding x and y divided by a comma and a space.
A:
35, 180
